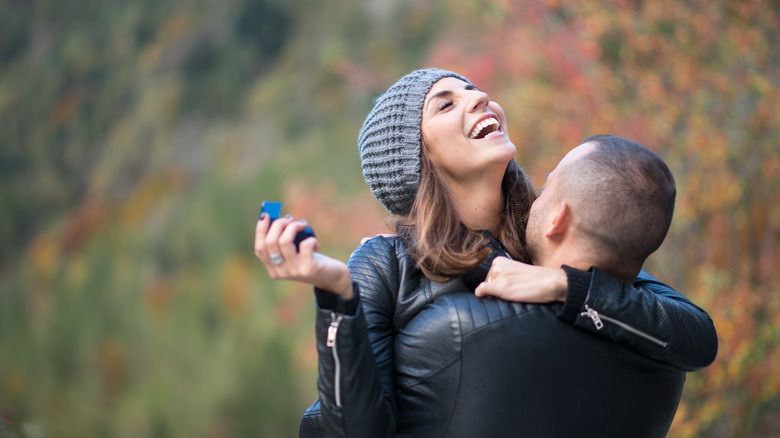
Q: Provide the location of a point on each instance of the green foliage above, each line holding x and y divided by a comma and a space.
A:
140, 137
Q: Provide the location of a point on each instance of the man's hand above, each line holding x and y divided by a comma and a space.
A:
521, 282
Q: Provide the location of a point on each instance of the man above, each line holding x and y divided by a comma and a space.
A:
608, 205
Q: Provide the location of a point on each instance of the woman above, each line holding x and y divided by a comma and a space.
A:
435, 153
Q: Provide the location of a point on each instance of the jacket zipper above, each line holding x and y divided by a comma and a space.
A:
331, 342
598, 322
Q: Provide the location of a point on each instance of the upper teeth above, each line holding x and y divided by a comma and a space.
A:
482, 125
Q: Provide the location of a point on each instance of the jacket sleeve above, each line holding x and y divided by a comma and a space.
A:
356, 351
647, 316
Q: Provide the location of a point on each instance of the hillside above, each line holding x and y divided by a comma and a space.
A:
139, 139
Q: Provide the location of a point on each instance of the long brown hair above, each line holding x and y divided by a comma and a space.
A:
442, 246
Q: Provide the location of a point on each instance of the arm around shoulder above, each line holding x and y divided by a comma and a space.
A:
648, 316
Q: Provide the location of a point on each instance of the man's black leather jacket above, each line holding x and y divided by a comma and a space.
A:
420, 358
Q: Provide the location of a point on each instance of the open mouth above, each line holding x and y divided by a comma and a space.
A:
485, 128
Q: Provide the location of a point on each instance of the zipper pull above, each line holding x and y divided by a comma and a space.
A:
333, 329
592, 314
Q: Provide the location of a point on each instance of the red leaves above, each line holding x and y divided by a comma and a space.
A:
695, 81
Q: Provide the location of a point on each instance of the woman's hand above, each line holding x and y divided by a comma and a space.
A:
275, 248
521, 282
366, 239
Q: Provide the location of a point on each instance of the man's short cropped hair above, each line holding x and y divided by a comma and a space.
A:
625, 196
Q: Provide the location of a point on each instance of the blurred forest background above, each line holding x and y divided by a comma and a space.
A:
138, 139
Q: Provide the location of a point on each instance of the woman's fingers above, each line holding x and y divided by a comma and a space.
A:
308, 247
275, 247
286, 243
486, 289
261, 229
267, 245
366, 239
274, 233
521, 282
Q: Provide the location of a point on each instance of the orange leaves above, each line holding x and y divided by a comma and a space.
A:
289, 309
45, 255
88, 219
235, 279
697, 82
66, 107
13, 384
159, 296
335, 218
145, 197
745, 373
112, 365
360, 80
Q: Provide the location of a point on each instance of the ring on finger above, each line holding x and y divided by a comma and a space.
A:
276, 259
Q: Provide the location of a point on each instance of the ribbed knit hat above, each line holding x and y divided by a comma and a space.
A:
390, 141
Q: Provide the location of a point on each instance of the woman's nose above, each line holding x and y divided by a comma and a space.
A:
480, 100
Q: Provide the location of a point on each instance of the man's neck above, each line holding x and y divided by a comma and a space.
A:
578, 260
569, 258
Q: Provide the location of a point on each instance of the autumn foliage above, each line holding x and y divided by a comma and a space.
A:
698, 82
140, 137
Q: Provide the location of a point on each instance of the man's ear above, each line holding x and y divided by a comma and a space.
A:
560, 220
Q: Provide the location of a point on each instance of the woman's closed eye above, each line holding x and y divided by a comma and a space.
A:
444, 104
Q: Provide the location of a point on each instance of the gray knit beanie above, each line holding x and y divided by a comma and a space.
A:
390, 141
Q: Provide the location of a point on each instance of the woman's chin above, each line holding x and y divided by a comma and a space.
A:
507, 150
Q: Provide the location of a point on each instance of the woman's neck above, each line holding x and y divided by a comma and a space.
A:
479, 207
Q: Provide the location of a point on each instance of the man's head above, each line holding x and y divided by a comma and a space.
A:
608, 203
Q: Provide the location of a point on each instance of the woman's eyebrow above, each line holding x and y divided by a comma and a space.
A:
440, 94
448, 93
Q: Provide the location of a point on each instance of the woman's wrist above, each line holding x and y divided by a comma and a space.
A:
561, 282
346, 291
340, 284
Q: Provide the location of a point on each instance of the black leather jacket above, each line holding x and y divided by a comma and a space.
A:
426, 359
